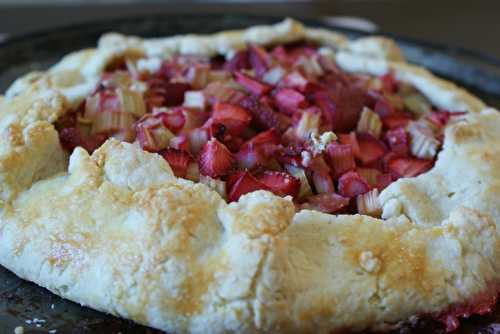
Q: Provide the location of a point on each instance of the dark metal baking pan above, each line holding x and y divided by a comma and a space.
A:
37, 310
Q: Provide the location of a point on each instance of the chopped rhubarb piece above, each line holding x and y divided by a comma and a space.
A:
351, 184
369, 204
193, 172
178, 160
245, 183
383, 108
223, 92
180, 142
197, 76
215, 159
396, 120
341, 158
234, 118
280, 183
299, 173
423, 144
263, 116
289, 100
328, 203
238, 62
195, 99
252, 85
310, 66
370, 175
397, 140
370, 123
308, 124
173, 119
322, 180
296, 80
110, 122
259, 59
274, 75
389, 83
409, 167
383, 180
370, 148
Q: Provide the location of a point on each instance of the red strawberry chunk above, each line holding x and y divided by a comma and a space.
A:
389, 83
383, 108
396, 120
341, 158
259, 150
252, 85
409, 167
289, 100
352, 140
215, 160
238, 62
398, 141
172, 93
280, 183
173, 119
263, 116
383, 180
370, 148
328, 203
180, 142
259, 59
245, 183
351, 184
234, 118
178, 161
71, 138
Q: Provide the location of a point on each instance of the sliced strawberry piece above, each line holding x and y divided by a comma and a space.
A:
383, 108
389, 83
328, 203
178, 161
215, 159
342, 107
172, 93
280, 183
289, 100
259, 150
71, 138
398, 141
238, 62
259, 59
234, 118
409, 167
341, 158
243, 184
396, 120
263, 116
180, 142
252, 85
371, 149
350, 139
173, 119
351, 184
383, 180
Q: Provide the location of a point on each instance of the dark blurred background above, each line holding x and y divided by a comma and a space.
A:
471, 24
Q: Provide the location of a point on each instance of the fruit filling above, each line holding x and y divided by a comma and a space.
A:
284, 119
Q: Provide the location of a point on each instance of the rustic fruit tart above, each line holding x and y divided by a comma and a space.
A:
284, 119
278, 179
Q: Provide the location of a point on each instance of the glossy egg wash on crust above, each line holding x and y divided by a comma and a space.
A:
284, 119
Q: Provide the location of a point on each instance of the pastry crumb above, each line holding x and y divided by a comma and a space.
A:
19, 330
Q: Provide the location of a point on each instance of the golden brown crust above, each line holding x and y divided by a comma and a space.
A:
173, 254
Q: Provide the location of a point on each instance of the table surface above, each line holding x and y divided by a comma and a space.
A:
473, 25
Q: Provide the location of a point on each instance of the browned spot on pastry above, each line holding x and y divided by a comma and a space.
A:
15, 135
465, 132
68, 247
